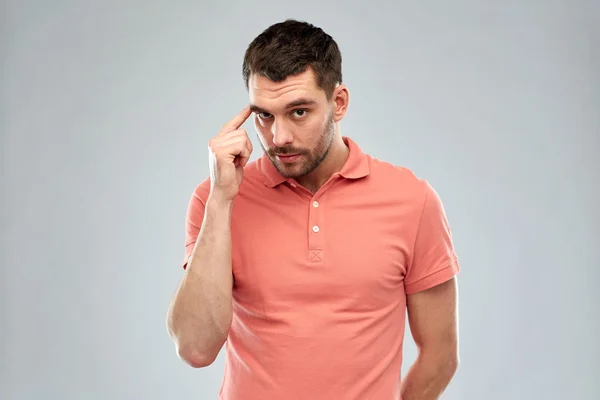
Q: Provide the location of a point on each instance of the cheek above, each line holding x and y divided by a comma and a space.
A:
259, 126
314, 128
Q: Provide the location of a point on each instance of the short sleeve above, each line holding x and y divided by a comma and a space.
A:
194, 218
434, 259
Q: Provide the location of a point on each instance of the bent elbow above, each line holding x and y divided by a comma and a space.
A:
452, 364
455, 363
194, 358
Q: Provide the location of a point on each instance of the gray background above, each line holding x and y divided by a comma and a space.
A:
106, 111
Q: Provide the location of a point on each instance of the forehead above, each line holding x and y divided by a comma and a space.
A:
267, 94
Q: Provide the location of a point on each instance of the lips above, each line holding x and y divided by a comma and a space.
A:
288, 157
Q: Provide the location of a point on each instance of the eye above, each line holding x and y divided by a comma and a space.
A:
300, 112
264, 115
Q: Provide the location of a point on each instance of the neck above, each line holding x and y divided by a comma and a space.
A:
333, 162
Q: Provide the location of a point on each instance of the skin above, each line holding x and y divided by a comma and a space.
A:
295, 117
200, 312
433, 320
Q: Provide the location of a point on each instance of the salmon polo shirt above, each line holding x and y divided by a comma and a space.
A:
320, 280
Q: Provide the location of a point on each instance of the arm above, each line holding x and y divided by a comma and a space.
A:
200, 312
433, 319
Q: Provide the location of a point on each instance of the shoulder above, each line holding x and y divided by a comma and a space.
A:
397, 178
411, 188
412, 192
201, 191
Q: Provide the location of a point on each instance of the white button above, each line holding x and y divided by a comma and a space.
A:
315, 228
315, 204
292, 184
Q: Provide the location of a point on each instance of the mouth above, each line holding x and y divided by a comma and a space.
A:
287, 158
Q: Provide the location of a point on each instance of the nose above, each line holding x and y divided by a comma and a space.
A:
281, 135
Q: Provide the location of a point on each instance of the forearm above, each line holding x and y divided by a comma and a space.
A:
429, 376
200, 313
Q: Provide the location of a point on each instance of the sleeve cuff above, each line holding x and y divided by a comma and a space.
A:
434, 279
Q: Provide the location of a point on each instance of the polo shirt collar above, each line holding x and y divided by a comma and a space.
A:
356, 166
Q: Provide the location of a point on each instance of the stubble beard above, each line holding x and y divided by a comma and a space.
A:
312, 159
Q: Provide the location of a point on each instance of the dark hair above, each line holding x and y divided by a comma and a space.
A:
289, 48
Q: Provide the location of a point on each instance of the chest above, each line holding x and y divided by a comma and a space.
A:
334, 256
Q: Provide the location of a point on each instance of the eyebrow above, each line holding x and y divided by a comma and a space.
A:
295, 103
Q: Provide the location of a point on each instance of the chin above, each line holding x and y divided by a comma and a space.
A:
289, 171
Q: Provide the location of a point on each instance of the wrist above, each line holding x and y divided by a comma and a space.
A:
218, 202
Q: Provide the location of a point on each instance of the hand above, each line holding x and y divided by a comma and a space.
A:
229, 152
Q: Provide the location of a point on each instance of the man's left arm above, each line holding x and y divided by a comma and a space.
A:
433, 319
431, 300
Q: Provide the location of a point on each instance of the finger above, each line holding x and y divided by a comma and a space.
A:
250, 149
247, 144
241, 154
244, 156
245, 150
238, 120
238, 134
233, 134
233, 147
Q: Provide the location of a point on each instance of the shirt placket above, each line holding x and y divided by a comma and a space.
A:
316, 253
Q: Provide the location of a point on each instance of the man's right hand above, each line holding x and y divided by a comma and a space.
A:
229, 152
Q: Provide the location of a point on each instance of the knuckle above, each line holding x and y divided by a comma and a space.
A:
213, 149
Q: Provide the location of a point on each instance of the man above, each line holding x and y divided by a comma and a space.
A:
306, 261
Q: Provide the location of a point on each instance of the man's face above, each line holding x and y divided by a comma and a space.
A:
294, 122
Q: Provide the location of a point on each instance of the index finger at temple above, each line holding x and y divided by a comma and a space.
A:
238, 120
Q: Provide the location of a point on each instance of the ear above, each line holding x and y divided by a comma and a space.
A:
340, 98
